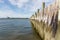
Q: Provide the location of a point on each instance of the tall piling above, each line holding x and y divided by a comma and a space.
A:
48, 22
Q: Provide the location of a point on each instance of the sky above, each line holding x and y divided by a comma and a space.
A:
21, 8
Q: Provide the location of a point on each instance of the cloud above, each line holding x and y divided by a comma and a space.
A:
29, 7
7, 13
36, 5
18, 3
10, 13
1, 1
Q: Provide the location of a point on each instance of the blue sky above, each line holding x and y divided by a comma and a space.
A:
21, 8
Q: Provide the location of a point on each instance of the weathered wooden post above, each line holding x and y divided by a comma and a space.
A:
38, 14
43, 5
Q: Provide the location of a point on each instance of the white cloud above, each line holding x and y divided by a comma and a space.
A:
10, 13
37, 4
18, 3
1, 1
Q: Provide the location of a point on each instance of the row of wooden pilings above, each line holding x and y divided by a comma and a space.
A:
46, 21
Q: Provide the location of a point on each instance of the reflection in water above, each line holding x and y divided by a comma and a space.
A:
17, 29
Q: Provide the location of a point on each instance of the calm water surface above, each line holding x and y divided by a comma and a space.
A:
17, 29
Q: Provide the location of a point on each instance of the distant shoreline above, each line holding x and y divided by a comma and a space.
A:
14, 18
